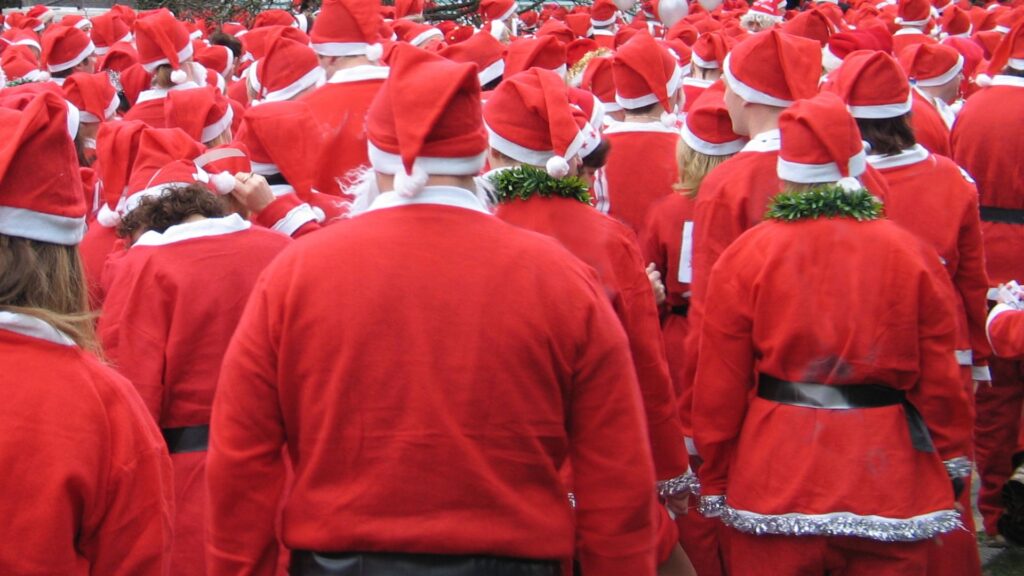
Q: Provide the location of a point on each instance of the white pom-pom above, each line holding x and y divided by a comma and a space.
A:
108, 218
179, 76
374, 52
557, 167
983, 80
898, 20
409, 185
669, 119
223, 183
43, 77
850, 184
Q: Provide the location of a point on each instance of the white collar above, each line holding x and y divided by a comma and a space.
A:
437, 195
197, 229
28, 325
770, 141
617, 127
153, 94
912, 155
908, 32
279, 190
359, 74
1004, 80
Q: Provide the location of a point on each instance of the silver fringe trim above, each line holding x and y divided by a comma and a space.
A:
572, 500
711, 506
684, 484
958, 467
877, 528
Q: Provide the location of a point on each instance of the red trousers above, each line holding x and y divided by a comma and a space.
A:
751, 555
956, 553
997, 432
700, 538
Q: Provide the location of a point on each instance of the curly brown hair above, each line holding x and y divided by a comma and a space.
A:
172, 206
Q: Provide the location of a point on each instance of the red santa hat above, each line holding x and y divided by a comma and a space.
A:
426, 119
931, 64
287, 69
119, 58
604, 13
580, 25
529, 119
217, 58
956, 22
93, 95
914, 12
873, 86
41, 12
773, 68
165, 159
19, 20
684, 32
282, 138
65, 48
40, 200
117, 144
108, 29
811, 24
707, 128
235, 29
125, 13
556, 29
598, 79
275, 17
593, 111
820, 143
348, 28
483, 50
645, 73
416, 33
497, 10
973, 53
541, 52
20, 37
75, 21
1010, 52
19, 63
710, 50
161, 39
203, 113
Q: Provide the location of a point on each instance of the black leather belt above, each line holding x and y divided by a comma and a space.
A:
306, 563
846, 397
681, 310
1005, 215
187, 439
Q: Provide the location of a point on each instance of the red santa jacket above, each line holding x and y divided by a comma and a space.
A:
86, 478
98, 243
149, 108
340, 106
933, 198
1006, 331
834, 302
988, 144
641, 168
930, 130
428, 395
610, 248
171, 308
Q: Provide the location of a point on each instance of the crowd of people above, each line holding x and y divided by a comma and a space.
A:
619, 289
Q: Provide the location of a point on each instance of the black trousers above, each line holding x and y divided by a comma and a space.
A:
305, 563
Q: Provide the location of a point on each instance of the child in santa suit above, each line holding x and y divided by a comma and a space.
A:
667, 241
172, 305
828, 405
85, 487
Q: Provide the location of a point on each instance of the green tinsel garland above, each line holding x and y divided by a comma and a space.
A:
522, 182
827, 200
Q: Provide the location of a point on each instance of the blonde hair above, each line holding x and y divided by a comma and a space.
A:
694, 167
46, 281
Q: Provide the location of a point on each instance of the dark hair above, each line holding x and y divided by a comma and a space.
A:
221, 38
492, 84
63, 73
887, 136
172, 206
1008, 71
599, 156
643, 109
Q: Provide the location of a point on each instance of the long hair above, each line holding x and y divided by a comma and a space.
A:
46, 281
693, 167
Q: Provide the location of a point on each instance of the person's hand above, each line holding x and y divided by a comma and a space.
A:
1010, 294
656, 284
679, 504
252, 191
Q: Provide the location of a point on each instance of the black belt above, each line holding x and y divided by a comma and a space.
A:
1005, 215
681, 310
306, 563
187, 439
849, 397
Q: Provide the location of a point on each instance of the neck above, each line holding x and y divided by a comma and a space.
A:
652, 115
386, 182
762, 119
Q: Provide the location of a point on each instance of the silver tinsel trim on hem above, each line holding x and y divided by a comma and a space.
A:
843, 524
711, 506
958, 467
684, 484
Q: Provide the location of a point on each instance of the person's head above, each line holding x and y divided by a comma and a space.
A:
647, 77
820, 144
175, 205
347, 34
67, 50
204, 113
165, 49
709, 52
936, 69
707, 139
287, 70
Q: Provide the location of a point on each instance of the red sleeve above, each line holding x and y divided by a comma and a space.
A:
1006, 331
971, 280
651, 246
289, 215
245, 456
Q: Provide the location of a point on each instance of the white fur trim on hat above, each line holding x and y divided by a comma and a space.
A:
89, 117
388, 163
491, 72
183, 54
341, 48
702, 63
41, 226
217, 128
711, 148
603, 23
819, 173
307, 80
1016, 63
508, 13
945, 76
265, 169
422, 37
61, 66
646, 100
748, 93
882, 110
829, 61
528, 155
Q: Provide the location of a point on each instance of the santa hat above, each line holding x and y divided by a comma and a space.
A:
19, 63
873, 86
956, 22
348, 28
20, 37
497, 10
235, 29
914, 12
19, 20
1010, 52
575, 52
707, 128
108, 29
556, 29
282, 138
773, 68
134, 80
598, 79
416, 33
41, 201
117, 144
710, 50
203, 113
219, 59
529, 119
593, 111
93, 95
1007, 20
426, 119
811, 24
41, 12
820, 143
604, 13
275, 17
580, 25
119, 57
483, 50
931, 64
685, 32
158, 149
287, 69
124, 13
541, 52
257, 42
75, 21
645, 73
65, 48
161, 39
692, 89
973, 53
